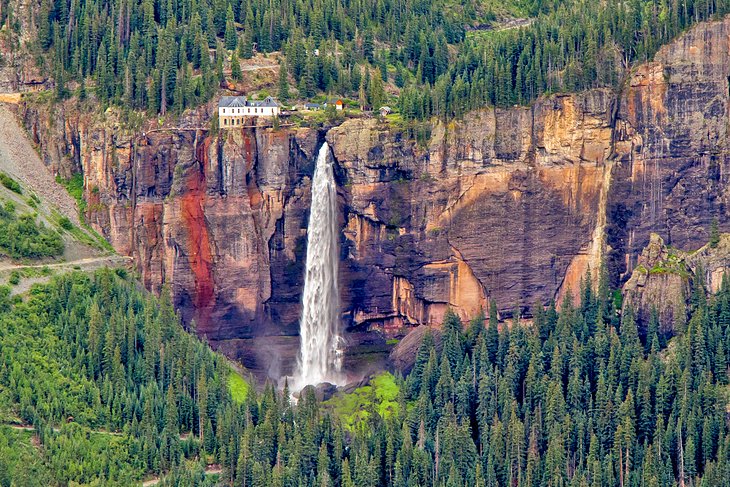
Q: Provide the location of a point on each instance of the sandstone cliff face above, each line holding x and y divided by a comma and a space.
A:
219, 218
514, 205
672, 148
502, 205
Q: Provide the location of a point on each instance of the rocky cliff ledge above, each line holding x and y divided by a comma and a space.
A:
666, 278
512, 204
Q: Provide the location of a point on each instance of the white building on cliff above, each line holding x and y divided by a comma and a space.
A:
233, 109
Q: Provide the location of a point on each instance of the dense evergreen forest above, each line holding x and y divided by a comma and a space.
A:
579, 397
444, 57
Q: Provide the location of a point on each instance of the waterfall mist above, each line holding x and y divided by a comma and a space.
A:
320, 346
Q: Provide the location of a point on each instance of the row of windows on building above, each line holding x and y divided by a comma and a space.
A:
240, 111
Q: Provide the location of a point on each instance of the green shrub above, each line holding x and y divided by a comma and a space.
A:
65, 223
10, 183
5, 299
14, 278
23, 237
714, 234
7, 210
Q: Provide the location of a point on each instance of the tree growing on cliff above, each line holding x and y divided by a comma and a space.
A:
714, 233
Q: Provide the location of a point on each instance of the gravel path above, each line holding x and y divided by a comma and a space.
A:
89, 263
19, 159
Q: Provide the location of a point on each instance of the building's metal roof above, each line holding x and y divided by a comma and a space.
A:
232, 101
266, 102
242, 101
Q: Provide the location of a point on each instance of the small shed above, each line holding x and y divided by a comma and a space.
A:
385, 111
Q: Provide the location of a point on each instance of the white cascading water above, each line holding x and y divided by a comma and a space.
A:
319, 353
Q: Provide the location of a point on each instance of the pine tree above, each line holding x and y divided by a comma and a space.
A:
45, 29
283, 91
231, 37
236, 72
714, 234
492, 334
246, 46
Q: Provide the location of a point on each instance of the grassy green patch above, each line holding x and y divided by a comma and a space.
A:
380, 397
10, 183
672, 265
238, 386
392, 341
14, 277
87, 235
75, 187
31, 272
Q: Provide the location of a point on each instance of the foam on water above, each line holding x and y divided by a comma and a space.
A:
320, 351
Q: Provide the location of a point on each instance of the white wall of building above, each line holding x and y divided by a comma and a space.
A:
248, 112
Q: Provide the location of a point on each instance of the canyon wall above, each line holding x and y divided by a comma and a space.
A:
513, 205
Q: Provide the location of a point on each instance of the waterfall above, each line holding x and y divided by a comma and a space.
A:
319, 352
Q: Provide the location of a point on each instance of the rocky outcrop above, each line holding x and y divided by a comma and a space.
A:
513, 205
665, 278
219, 218
661, 284
403, 356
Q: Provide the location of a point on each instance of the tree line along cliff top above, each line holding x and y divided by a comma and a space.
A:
439, 58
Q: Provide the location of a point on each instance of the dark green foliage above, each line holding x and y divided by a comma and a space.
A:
283, 92
21, 236
714, 234
14, 278
10, 183
65, 223
153, 54
236, 72
231, 38
578, 400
